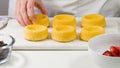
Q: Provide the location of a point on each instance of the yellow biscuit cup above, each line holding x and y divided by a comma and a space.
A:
63, 33
41, 20
93, 20
64, 19
35, 32
91, 31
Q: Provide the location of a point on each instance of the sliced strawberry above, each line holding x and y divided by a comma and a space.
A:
118, 47
107, 53
114, 51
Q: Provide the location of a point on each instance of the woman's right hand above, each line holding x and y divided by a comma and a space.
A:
25, 9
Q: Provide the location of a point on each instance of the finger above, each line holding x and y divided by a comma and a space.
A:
30, 9
19, 20
41, 7
23, 13
17, 13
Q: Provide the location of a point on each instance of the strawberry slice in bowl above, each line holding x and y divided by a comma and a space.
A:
115, 51
117, 47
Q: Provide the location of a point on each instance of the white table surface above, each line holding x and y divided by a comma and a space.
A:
50, 59
14, 29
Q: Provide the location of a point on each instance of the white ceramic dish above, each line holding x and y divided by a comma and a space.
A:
98, 45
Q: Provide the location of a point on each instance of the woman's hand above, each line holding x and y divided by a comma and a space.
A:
25, 8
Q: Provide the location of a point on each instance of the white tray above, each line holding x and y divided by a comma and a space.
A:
14, 29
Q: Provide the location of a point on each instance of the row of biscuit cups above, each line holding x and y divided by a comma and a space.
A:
64, 27
92, 25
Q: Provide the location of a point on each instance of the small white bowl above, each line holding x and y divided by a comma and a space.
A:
99, 44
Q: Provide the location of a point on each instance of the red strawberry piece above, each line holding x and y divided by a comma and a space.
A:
114, 51
107, 53
118, 47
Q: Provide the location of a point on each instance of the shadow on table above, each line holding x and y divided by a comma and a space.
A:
84, 62
17, 60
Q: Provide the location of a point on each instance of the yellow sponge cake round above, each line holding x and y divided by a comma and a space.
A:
64, 19
35, 32
91, 31
93, 20
63, 33
41, 20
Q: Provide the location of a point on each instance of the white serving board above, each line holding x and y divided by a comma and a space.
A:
14, 29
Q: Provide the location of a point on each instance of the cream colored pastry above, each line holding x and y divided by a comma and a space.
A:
64, 19
63, 33
91, 31
35, 32
41, 20
93, 20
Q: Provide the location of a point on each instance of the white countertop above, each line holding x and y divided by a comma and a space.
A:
14, 29
50, 59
